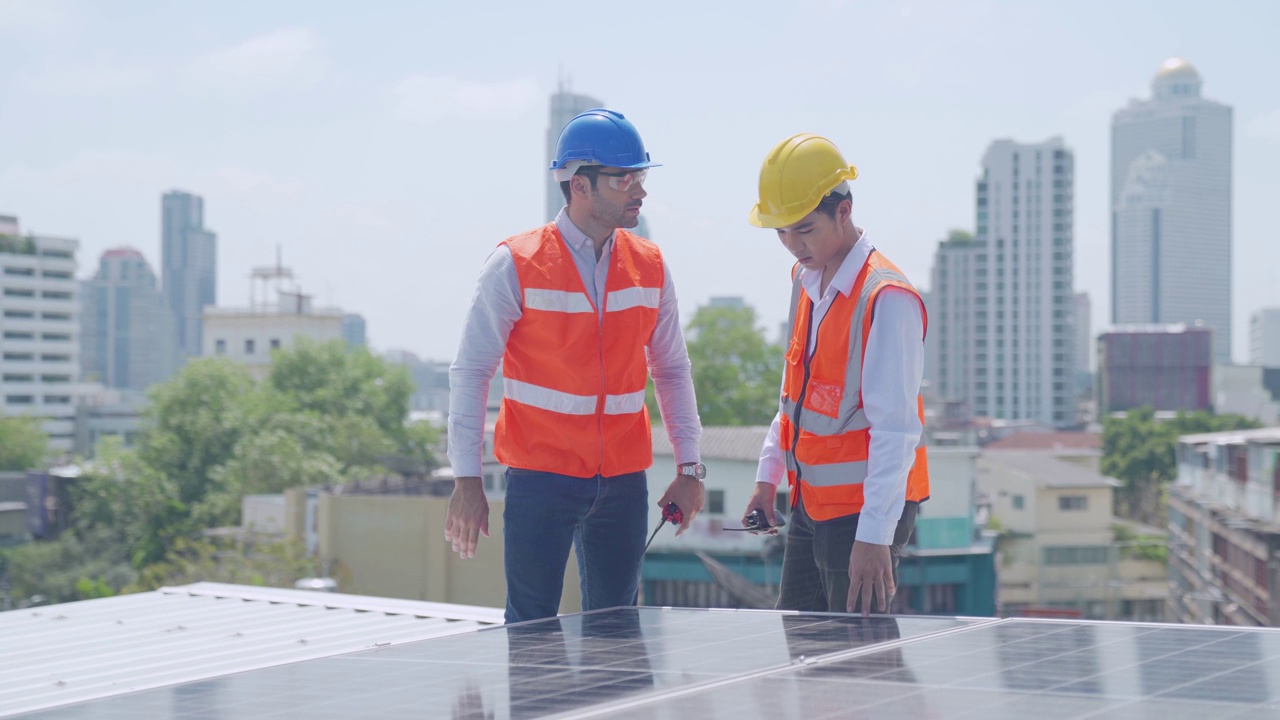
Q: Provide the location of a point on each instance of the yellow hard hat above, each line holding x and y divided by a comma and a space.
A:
795, 177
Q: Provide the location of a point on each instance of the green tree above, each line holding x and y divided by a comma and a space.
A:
1140, 452
736, 371
23, 445
333, 380
325, 414
194, 422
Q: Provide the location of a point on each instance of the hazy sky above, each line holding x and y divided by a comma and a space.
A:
386, 147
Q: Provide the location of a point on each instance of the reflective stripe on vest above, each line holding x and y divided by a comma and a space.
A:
574, 378
826, 453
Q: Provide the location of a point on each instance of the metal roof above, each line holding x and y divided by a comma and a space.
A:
72, 652
740, 443
1045, 469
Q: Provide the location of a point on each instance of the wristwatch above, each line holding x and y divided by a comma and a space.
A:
697, 470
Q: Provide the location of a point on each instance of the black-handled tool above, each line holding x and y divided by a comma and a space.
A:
670, 514
757, 523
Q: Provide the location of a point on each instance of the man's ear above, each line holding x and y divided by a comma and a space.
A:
844, 210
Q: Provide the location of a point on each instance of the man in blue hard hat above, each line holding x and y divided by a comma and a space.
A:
579, 312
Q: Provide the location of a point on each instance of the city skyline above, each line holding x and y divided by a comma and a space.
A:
391, 174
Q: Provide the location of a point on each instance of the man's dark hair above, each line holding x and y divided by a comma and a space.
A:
827, 206
589, 174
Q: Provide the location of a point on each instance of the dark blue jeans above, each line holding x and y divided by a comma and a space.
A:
602, 518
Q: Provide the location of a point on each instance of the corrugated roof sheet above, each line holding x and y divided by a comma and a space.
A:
741, 443
60, 654
1046, 469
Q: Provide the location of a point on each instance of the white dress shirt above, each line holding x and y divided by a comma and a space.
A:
892, 369
497, 306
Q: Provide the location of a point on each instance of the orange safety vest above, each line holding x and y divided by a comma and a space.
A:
574, 378
825, 432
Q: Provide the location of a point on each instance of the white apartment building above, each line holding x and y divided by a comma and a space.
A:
1171, 208
248, 335
1003, 301
39, 330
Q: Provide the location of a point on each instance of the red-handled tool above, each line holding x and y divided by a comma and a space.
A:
672, 514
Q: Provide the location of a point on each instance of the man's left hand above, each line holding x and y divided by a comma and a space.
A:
686, 492
870, 576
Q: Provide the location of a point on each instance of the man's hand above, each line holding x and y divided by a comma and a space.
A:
762, 499
468, 516
686, 492
871, 575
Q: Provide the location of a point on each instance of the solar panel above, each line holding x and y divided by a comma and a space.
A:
675, 663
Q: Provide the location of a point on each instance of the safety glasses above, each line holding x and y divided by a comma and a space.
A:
622, 181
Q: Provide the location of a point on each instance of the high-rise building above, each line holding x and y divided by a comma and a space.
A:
39, 330
950, 345
126, 327
1082, 314
1264, 338
353, 329
564, 107
1084, 331
1171, 208
1004, 299
190, 264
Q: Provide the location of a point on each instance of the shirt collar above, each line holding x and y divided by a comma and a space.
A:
846, 275
573, 237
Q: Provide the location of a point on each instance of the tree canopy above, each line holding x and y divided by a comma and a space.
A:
1140, 452
23, 445
737, 373
325, 414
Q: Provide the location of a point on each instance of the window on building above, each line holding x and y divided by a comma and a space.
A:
55, 316
16, 292
15, 335
55, 337
55, 295
219, 347
1018, 502
715, 502
27, 357
275, 343
1073, 502
20, 272
19, 399
248, 347
48, 357
16, 378
19, 314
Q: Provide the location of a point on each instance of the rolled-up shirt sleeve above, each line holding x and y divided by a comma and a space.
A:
672, 374
495, 308
891, 373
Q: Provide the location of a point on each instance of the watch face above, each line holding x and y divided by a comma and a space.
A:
699, 471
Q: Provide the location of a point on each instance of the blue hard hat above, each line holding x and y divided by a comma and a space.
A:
601, 137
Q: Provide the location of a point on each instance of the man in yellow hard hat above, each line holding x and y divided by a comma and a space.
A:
848, 433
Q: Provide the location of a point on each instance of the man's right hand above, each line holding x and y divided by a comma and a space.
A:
468, 516
762, 499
